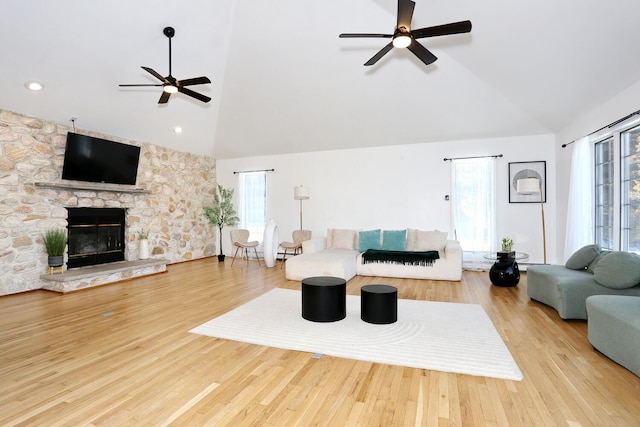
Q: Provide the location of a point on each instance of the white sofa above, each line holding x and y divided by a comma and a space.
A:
340, 254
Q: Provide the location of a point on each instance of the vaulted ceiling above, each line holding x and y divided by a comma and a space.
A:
282, 80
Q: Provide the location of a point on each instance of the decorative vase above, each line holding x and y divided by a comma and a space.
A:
221, 258
270, 244
144, 249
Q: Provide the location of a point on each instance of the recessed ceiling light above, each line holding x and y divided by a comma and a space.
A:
177, 129
33, 85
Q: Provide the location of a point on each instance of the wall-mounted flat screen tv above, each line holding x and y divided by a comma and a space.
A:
97, 160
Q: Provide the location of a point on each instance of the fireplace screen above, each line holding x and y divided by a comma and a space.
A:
96, 236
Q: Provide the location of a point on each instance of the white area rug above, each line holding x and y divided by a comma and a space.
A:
439, 336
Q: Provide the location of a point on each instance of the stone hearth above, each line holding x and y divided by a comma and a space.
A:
97, 275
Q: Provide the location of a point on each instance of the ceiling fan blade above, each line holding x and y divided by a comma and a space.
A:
154, 73
405, 13
442, 30
193, 94
422, 53
380, 36
379, 55
136, 85
164, 97
194, 81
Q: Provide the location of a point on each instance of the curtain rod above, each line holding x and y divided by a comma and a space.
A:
476, 157
261, 170
610, 125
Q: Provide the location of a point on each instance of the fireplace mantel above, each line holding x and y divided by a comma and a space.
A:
91, 186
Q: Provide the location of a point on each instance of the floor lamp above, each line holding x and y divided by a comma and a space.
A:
300, 193
534, 186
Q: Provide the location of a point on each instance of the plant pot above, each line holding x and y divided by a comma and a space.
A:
221, 258
144, 249
56, 261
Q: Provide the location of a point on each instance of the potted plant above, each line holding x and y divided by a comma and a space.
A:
143, 250
55, 241
222, 212
507, 244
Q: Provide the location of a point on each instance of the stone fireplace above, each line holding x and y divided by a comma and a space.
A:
166, 203
96, 236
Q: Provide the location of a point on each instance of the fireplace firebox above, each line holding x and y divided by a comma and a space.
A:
96, 236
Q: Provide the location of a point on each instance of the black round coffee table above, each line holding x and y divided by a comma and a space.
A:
379, 304
324, 299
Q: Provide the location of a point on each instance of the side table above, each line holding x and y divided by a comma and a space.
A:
379, 304
324, 299
505, 272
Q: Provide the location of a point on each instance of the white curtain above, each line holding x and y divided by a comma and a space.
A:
252, 206
580, 207
474, 209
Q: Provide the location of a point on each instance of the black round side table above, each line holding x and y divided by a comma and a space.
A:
505, 271
379, 304
324, 299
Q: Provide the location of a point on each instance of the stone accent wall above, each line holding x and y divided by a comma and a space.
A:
32, 150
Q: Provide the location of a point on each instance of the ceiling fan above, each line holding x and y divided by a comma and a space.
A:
404, 36
170, 84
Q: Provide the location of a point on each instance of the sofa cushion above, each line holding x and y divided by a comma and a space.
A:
581, 259
618, 270
369, 239
418, 240
341, 239
394, 240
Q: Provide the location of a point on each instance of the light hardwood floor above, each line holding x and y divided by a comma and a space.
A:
121, 355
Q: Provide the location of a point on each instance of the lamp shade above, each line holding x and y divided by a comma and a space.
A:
300, 193
528, 186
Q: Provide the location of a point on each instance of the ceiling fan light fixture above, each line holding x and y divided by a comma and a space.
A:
401, 40
170, 89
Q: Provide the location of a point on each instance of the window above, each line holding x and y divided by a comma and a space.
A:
630, 195
617, 191
474, 208
252, 205
604, 193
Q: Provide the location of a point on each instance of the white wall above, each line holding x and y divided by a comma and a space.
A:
396, 187
616, 108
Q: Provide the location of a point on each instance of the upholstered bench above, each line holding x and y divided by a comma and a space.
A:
614, 328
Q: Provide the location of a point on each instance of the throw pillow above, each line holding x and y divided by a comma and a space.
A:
342, 239
618, 270
581, 259
418, 240
394, 240
592, 267
368, 240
